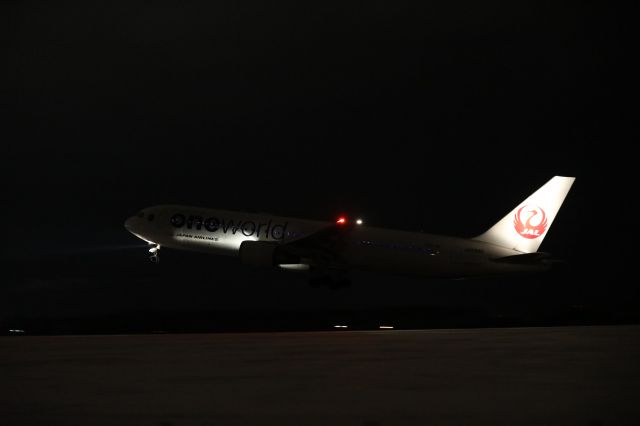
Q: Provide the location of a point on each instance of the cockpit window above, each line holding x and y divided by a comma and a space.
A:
150, 217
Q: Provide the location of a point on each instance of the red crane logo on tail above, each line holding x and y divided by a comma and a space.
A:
535, 225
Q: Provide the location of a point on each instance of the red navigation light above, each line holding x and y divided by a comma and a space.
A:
341, 220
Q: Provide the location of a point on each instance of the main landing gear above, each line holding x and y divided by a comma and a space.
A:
155, 253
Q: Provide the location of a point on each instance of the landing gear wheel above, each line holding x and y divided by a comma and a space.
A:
155, 253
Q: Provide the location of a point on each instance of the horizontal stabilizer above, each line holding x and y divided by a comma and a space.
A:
524, 259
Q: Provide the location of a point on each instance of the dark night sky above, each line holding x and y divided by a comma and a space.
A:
417, 115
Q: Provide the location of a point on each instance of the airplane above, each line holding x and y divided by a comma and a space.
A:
329, 250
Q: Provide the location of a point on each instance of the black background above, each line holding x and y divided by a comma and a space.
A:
438, 117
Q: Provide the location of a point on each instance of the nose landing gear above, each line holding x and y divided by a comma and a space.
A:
155, 255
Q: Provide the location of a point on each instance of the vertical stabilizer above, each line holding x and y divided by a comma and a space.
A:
525, 227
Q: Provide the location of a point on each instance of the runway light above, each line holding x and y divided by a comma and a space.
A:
341, 220
386, 327
359, 221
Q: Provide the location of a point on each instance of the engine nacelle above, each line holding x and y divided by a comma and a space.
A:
258, 253
265, 254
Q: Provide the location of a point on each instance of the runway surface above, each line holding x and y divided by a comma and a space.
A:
526, 376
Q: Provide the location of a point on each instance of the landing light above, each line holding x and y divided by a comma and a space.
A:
359, 221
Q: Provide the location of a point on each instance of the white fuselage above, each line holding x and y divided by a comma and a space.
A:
366, 248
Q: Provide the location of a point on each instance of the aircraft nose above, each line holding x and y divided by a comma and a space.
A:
128, 224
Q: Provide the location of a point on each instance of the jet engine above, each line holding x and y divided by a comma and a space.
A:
264, 254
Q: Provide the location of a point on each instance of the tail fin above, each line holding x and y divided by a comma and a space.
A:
525, 227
